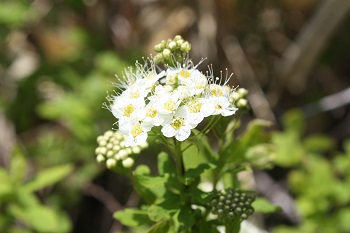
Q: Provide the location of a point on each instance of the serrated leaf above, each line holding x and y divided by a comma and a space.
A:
48, 177
132, 217
261, 205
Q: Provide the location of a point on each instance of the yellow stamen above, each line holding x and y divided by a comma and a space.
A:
195, 106
151, 112
128, 110
170, 105
136, 130
177, 123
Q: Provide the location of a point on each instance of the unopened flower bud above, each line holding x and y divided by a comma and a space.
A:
177, 37
185, 47
111, 163
243, 92
172, 45
109, 154
100, 158
242, 103
167, 54
128, 162
158, 58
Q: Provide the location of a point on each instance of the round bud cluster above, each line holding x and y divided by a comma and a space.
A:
238, 98
233, 204
171, 49
111, 150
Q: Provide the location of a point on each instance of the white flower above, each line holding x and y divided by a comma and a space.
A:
197, 109
222, 106
152, 115
178, 126
135, 132
183, 91
198, 82
136, 91
125, 108
168, 102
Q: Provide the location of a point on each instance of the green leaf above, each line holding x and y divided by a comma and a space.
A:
293, 121
5, 184
254, 134
262, 205
40, 218
132, 217
150, 187
288, 149
18, 166
260, 156
48, 177
186, 217
161, 227
195, 172
318, 143
157, 213
165, 164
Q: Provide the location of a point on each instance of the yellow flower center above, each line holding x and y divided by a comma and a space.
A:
216, 91
218, 106
151, 112
170, 105
199, 86
177, 123
128, 110
185, 73
136, 130
195, 106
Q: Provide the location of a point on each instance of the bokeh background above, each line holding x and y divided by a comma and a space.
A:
59, 57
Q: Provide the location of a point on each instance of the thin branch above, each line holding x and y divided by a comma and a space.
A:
247, 78
300, 56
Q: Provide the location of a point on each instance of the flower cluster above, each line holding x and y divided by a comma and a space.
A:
176, 99
112, 151
233, 204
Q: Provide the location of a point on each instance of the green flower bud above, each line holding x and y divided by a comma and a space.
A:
167, 54
177, 37
158, 58
185, 47
158, 48
172, 45
242, 103
180, 42
243, 92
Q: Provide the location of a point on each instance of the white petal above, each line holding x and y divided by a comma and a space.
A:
183, 134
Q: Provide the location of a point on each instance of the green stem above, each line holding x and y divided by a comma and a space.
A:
233, 226
180, 169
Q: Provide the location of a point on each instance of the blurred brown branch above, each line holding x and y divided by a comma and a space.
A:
247, 78
300, 56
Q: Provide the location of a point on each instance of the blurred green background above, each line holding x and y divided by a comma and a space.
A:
57, 62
